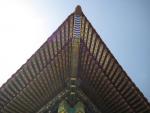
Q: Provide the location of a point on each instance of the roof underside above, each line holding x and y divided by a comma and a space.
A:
47, 71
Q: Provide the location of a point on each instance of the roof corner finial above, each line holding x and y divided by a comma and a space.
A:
78, 10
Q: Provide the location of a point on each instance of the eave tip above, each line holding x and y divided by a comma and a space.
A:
78, 10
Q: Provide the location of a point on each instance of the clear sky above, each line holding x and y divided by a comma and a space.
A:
124, 25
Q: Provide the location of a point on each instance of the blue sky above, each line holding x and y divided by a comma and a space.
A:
124, 25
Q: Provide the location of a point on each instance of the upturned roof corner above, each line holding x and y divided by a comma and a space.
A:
78, 10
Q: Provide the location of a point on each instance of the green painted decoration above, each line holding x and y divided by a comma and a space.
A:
64, 107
